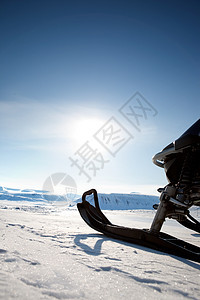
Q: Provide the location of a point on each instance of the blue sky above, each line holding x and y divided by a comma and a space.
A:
68, 67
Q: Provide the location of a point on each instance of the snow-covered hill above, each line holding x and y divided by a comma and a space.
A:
38, 197
124, 201
112, 201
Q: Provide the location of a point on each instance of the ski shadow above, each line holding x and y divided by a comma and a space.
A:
96, 250
196, 234
190, 263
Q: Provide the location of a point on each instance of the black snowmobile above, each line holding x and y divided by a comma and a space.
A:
181, 162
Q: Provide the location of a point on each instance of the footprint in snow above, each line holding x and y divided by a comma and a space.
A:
2, 251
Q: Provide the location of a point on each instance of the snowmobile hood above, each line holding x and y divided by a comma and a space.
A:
189, 137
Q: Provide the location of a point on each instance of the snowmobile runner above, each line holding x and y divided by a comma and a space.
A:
181, 162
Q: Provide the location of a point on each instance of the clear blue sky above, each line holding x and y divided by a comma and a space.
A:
67, 67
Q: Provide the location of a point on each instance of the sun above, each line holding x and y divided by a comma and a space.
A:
83, 129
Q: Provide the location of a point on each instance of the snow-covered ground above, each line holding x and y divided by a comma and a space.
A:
48, 252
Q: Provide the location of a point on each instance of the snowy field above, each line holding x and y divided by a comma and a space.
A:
48, 252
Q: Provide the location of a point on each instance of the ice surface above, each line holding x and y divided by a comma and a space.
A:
48, 252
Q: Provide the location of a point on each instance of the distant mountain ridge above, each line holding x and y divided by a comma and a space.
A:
131, 201
112, 201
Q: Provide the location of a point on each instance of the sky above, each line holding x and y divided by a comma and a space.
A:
92, 90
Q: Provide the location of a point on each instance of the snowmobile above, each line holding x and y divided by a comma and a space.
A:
181, 162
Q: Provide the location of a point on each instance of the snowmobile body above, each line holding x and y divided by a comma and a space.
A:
181, 162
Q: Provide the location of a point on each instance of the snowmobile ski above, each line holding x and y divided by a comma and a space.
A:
181, 163
163, 242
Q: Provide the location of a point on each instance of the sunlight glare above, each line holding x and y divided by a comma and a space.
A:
83, 129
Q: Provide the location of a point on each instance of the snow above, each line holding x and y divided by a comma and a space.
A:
48, 252
107, 201
124, 201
